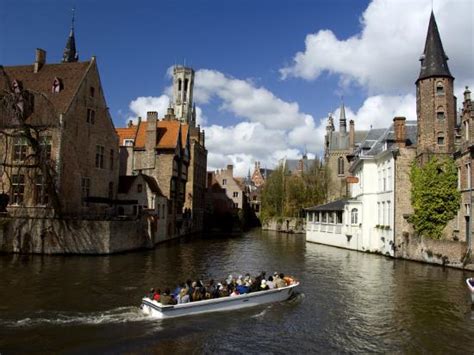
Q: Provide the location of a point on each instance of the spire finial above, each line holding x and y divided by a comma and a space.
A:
70, 54
72, 21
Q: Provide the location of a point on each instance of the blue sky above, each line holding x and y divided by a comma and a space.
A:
366, 51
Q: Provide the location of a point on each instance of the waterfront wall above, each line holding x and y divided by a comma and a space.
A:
73, 236
285, 225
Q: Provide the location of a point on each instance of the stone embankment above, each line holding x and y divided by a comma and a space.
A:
74, 236
285, 225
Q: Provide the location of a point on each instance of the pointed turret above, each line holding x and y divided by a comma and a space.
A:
70, 54
434, 61
342, 119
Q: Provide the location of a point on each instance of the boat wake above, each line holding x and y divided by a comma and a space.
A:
116, 315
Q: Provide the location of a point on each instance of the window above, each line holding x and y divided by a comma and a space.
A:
236, 194
99, 156
20, 149
317, 217
384, 180
57, 86
354, 216
439, 88
46, 147
389, 178
340, 166
388, 213
468, 175
331, 217
18, 189
224, 181
85, 189
379, 214
466, 129
128, 142
111, 159
91, 91
440, 115
41, 195
236, 205
440, 139
179, 84
324, 217
90, 116
139, 188
257, 208
339, 217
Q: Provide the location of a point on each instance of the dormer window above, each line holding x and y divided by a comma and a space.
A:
57, 86
16, 86
439, 88
128, 142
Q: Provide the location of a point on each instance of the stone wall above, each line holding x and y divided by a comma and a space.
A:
285, 225
72, 236
443, 252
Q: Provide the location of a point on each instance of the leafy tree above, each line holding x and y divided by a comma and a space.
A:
434, 196
273, 194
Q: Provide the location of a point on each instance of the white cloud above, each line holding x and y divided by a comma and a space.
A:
141, 105
383, 57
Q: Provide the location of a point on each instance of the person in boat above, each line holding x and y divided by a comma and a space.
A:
280, 282
166, 298
157, 295
210, 290
223, 290
270, 283
183, 296
289, 280
263, 285
176, 291
255, 286
244, 288
151, 293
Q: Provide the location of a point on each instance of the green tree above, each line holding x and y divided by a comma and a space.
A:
434, 196
273, 195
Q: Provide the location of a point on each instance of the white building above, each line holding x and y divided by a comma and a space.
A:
364, 222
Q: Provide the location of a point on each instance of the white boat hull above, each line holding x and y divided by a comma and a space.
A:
157, 310
470, 285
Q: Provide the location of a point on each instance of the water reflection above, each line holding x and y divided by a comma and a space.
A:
348, 301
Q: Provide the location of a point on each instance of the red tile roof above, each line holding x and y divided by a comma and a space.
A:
126, 133
167, 133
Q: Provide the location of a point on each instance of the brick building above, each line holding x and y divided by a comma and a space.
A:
61, 156
337, 146
234, 188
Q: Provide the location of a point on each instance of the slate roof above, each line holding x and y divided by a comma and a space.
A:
341, 141
434, 61
70, 75
379, 139
337, 205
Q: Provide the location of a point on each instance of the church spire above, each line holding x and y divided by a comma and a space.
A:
434, 61
342, 118
70, 55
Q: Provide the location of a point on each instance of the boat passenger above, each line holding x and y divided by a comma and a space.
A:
223, 290
288, 280
263, 285
255, 286
235, 292
157, 295
270, 283
183, 296
211, 289
279, 282
151, 293
197, 295
166, 298
241, 289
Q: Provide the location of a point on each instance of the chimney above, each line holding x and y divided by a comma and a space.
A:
130, 123
399, 128
351, 134
40, 59
230, 168
151, 118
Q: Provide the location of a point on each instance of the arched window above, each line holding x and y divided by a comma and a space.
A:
354, 216
340, 166
466, 129
179, 84
439, 88
440, 139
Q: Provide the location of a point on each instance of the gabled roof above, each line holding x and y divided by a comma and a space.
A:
340, 141
70, 75
126, 182
434, 61
126, 133
167, 132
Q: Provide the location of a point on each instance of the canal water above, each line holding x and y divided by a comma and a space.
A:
347, 302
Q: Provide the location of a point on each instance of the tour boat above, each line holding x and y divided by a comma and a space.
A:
156, 309
470, 285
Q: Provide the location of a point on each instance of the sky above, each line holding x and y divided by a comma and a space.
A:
268, 72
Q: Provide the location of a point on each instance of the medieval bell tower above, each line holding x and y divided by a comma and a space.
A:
435, 101
183, 83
